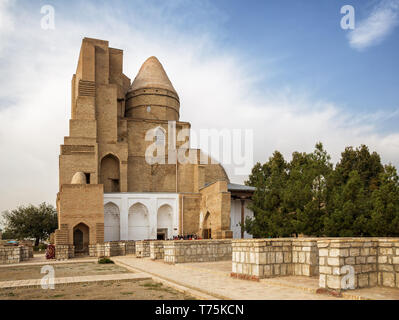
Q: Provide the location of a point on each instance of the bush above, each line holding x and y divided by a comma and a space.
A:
104, 260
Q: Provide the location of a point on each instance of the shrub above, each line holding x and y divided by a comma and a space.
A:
104, 260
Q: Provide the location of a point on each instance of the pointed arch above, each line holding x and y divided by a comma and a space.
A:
81, 238
206, 226
111, 222
138, 222
165, 222
110, 173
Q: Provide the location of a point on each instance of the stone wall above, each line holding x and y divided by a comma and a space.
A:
261, 258
305, 257
388, 262
113, 248
130, 247
156, 250
64, 252
181, 251
347, 263
142, 248
341, 263
13, 254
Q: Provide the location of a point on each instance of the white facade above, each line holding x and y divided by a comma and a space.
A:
235, 218
138, 216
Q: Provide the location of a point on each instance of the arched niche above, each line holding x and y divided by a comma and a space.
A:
110, 173
165, 222
111, 222
138, 222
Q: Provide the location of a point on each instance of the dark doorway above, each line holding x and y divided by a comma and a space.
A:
207, 234
78, 240
162, 234
109, 173
81, 239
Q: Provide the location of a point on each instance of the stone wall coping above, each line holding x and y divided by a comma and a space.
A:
202, 241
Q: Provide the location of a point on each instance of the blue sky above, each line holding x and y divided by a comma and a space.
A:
284, 69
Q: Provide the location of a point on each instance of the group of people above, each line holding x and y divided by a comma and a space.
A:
186, 237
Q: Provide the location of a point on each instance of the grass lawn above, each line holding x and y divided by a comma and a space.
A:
61, 270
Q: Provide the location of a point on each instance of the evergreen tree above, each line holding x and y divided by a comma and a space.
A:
310, 180
270, 216
308, 196
350, 212
385, 201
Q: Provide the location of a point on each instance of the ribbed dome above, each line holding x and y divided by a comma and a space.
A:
152, 75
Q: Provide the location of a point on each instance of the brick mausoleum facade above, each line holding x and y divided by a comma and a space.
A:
108, 190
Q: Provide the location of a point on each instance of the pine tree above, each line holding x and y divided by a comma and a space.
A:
385, 200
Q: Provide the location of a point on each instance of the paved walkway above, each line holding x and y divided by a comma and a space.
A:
72, 280
41, 260
214, 280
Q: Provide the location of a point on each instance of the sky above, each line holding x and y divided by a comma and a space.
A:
284, 69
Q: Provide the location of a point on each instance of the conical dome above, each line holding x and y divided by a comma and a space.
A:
152, 75
151, 95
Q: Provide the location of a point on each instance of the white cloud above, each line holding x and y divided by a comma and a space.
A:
375, 28
217, 90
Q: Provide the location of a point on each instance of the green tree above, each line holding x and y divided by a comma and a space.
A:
368, 165
271, 219
385, 205
351, 211
359, 197
31, 222
307, 190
